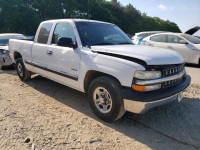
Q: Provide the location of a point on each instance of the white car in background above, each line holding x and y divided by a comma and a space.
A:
5, 60
137, 38
187, 45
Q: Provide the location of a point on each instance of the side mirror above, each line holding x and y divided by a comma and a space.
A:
66, 42
183, 42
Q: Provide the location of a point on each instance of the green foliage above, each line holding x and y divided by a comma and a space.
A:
24, 16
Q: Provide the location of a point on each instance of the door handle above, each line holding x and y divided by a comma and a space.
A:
170, 47
49, 52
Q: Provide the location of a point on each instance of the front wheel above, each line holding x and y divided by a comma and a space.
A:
105, 98
22, 72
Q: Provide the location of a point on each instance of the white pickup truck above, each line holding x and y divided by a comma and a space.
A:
99, 59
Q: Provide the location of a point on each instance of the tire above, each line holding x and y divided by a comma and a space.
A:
199, 62
2, 67
22, 72
105, 98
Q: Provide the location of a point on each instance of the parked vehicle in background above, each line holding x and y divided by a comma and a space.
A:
141, 35
99, 59
193, 30
5, 59
187, 45
30, 38
130, 36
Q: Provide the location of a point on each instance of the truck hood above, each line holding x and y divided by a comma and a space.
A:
4, 47
150, 55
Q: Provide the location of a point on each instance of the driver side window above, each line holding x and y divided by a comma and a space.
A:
63, 30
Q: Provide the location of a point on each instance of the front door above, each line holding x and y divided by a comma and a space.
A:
64, 61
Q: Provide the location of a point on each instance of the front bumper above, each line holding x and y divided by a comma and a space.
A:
140, 102
5, 60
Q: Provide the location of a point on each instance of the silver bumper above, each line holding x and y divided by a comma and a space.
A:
142, 107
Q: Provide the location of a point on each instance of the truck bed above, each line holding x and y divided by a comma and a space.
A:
24, 47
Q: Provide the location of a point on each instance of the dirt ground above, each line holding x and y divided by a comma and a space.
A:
44, 115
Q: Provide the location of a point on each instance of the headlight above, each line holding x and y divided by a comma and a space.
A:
147, 75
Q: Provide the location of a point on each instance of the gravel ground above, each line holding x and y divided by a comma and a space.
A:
42, 114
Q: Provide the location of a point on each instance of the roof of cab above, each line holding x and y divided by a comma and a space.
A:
75, 20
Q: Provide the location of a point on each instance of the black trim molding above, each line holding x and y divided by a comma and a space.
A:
136, 60
53, 71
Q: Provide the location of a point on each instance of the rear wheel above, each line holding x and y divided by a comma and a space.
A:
2, 67
22, 72
199, 62
105, 98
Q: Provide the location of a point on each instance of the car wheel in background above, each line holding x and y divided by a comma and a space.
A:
22, 72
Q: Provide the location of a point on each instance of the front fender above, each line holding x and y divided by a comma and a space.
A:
120, 70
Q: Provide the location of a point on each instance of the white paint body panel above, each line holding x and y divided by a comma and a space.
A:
81, 60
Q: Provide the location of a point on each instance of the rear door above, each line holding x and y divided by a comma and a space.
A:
40, 54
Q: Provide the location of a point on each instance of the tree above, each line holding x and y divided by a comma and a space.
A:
24, 16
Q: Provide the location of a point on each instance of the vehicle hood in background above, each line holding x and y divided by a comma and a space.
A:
150, 55
192, 30
4, 47
197, 46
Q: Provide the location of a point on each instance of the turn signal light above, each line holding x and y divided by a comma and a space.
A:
146, 88
139, 88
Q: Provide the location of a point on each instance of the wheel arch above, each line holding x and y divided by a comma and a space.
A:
16, 56
93, 74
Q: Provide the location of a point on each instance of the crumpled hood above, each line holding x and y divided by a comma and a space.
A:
151, 55
4, 47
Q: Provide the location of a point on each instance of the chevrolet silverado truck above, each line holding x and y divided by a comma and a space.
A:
99, 59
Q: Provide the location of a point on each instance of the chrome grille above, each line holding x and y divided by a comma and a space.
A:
170, 71
171, 83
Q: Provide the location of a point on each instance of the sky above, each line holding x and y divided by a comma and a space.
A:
185, 13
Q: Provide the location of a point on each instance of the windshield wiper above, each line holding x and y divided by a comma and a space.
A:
125, 43
105, 43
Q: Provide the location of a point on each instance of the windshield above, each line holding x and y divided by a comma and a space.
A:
191, 38
5, 39
92, 33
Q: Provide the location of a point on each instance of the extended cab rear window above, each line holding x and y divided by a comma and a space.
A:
44, 33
